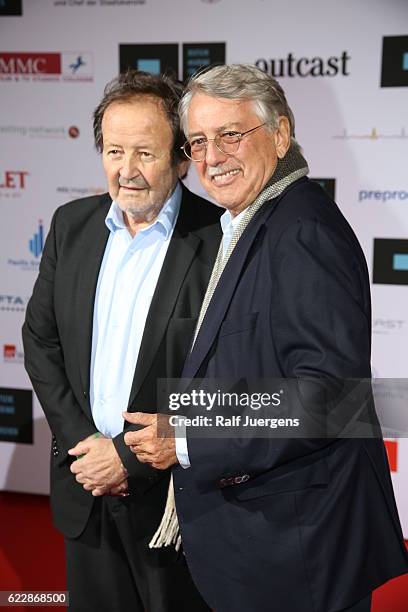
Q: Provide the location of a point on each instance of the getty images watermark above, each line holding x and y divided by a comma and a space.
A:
284, 408
208, 401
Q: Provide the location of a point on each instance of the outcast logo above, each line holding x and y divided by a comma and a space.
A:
291, 66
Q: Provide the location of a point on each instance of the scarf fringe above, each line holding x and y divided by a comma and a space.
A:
168, 531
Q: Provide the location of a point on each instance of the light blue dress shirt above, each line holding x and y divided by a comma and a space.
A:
228, 226
127, 280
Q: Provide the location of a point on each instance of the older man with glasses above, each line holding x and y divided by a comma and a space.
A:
294, 524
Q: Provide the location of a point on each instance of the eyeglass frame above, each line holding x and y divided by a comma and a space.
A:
239, 135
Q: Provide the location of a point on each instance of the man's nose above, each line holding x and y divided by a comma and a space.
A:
129, 168
213, 155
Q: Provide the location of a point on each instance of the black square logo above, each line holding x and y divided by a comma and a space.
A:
156, 59
16, 416
390, 263
11, 8
394, 70
201, 55
328, 184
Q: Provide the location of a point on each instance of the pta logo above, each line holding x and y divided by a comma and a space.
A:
394, 70
13, 179
159, 59
291, 66
73, 66
12, 303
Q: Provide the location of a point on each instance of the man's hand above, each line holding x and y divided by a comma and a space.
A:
100, 469
148, 448
119, 491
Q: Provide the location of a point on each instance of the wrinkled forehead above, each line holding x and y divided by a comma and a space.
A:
215, 113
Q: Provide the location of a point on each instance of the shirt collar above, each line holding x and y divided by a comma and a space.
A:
166, 219
227, 219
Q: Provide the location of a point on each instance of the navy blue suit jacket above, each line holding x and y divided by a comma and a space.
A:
315, 527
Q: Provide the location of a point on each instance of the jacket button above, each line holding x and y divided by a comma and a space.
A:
85, 393
241, 479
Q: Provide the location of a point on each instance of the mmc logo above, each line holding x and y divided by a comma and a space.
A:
37, 66
36, 243
394, 70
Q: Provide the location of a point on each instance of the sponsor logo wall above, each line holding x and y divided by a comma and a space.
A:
349, 95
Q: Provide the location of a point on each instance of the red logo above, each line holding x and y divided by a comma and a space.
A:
30, 63
392, 452
9, 351
13, 179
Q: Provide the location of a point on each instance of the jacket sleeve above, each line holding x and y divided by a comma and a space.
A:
44, 356
141, 475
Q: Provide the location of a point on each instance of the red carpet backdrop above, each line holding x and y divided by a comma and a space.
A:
344, 68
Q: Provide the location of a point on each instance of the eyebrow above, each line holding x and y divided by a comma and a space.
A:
137, 147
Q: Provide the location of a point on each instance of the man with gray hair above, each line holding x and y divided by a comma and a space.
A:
290, 524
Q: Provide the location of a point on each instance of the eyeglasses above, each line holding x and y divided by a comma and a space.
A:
226, 142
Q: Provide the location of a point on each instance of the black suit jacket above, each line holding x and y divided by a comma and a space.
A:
57, 337
314, 528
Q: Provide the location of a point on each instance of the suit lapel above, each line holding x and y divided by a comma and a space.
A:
95, 237
224, 292
180, 254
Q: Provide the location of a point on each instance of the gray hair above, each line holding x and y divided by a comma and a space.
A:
240, 82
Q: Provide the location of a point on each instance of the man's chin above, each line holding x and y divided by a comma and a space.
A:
223, 197
132, 203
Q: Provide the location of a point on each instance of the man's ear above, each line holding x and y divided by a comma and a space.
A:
282, 137
183, 168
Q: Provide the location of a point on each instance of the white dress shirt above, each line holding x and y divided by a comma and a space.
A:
127, 280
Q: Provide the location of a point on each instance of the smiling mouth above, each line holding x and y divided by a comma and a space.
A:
225, 177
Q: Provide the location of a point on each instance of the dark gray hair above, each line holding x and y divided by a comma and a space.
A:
240, 82
133, 84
